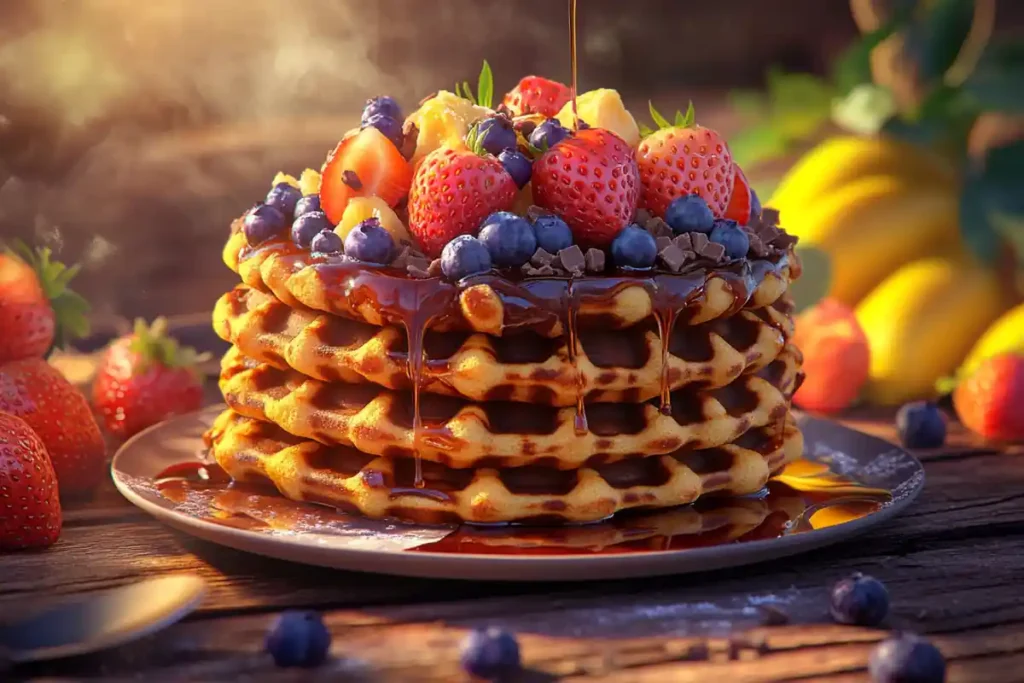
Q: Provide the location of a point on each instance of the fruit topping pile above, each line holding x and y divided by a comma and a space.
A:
529, 187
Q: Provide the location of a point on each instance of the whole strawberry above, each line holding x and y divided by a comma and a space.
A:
682, 159
28, 488
37, 393
990, 402
37, 310
145, 378
453, 191
591, 180
537, 95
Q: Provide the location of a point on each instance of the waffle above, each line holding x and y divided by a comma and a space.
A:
383, 487
623, 366
461, 433
495, 305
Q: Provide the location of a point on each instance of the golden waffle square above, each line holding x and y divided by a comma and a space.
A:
386, 487
462, 434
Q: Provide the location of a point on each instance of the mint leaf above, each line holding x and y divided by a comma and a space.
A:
485, 86
659, 120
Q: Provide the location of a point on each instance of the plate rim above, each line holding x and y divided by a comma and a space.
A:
405, 562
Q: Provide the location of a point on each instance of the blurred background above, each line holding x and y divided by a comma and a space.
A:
131, 133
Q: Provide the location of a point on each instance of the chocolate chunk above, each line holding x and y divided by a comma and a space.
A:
418, 272
767, 233
769, 216
672, 257
541, 257
784, 241
402, 259
658, 228
683, 241
525, 128
545, 270
535, 212
594, 260
351, 178
757, 247
713, 251
642, 216
410, 134
421, 262
435, 268
662, 242
572, 259
699, 240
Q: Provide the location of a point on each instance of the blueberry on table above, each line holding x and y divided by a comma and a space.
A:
490, 654
326, 242
464, 256
517, 165
860, 600
548, 134
921, 425
389, 127
307, 204
309, 225
907, 658
689, 213
496, 134
634, 247
509, 238
553, 234
370, 243
731, 236
262, 223
383, 106
298, 639
284, 197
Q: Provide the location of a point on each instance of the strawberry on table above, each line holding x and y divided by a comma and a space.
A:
37, 310
684, 158
537, 95
145, 378
40, 395
454, 190
364, 164
28, 488
590, 179
990, 402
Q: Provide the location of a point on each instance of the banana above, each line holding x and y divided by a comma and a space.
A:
840, 160
872, 226
1006, 335
921, 322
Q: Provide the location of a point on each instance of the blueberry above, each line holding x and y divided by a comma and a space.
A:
634, 247
755, 205
552, 233
383, 105
284, 197
907, 658
490, 654
391, 128
690, 213
860, 600
464, 256
729, 234
497, 134
548, 134
309, 225
509, 238
517, 165
921, 425
371, 243
308, 204
326, 242
298, 639
263, 222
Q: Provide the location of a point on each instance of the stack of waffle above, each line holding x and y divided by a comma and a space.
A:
536, 399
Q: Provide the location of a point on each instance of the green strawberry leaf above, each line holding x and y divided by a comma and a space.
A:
645, 130
485, 86
659, 120
812, 286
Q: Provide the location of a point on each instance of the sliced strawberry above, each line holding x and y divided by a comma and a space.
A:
377, 167
537, 95
739, 203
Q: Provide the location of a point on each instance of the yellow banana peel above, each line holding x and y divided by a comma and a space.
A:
1005, 335
872, 226
921, 322
843, 159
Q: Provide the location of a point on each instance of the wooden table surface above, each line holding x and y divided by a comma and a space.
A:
954, 565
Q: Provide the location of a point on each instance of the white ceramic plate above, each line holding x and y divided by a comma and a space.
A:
848, 483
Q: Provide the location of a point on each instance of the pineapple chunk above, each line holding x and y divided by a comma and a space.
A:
603, 108
284, 178
309, 182
361, 208
444, 119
